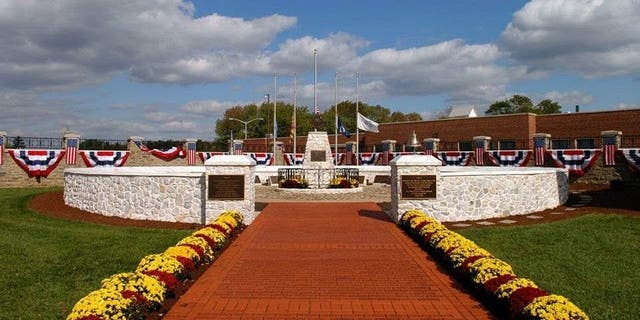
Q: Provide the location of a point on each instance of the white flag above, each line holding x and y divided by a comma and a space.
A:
367, 124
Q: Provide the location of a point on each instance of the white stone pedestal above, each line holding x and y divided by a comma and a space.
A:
224, 175
318, 158
421, 175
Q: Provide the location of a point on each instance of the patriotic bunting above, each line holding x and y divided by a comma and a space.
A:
166, 155
609, 150
455, 158
204, 156
539, 146
510, 158
294, 160
633, 158
37, 163
577, 161
104, 158
368, 158
261, 159
72, 150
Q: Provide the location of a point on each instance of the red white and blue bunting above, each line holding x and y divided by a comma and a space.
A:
104, 158
37, 163
204, 156
633, 158
293, 160
166, 155
261, 159
577, 161
455, 158
510, 158
368, 158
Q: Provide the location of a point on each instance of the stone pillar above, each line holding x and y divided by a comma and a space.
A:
414, 183
430, 146
348, 156
237, 147
611, 141
541, 142
388, 146
230, 185
481, 144
3, 145
133, 142
190, 147
71, 143
278, 159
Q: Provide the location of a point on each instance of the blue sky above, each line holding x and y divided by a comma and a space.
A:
169, 68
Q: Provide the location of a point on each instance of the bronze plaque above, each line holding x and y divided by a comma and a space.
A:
318, 156
418, 187
226, 187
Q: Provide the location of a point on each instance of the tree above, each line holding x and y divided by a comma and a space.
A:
522, 104
547, 106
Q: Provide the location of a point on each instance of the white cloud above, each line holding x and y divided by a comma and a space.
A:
465, 72
74, 43
593, 38
210, 108
569, 99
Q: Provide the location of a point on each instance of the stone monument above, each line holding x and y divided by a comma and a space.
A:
318, 160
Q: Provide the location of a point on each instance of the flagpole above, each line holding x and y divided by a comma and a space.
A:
357, 115
295, 121
275, 124
336, 110
315, 84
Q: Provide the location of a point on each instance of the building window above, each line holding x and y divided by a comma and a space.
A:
586, 143
507, 145
560, 144
465, 146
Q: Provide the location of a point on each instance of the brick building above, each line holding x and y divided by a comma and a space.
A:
515, 131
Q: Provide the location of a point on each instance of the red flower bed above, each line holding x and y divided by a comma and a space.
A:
521, 298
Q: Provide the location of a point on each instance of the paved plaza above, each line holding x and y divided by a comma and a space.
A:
325, 260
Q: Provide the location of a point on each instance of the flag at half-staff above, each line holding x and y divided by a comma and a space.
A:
367, 124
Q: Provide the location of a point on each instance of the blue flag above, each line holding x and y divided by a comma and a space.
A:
342, 130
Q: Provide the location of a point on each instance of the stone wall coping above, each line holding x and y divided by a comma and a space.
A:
194, 171
611, 133
416, 160
230, 160
450, 171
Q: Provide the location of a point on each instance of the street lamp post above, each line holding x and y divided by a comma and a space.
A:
245, 124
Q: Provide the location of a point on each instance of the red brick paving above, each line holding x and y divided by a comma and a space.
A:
325, 261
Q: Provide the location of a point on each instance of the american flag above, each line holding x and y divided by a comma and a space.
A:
480, 152
385, 153
539, 147
428, 148
191, 153
237, 148
72, 149
609, 150
1, 148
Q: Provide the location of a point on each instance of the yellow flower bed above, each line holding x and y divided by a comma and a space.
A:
104, 303
504, 291
553, 307
144, 292
482, 267
150, 288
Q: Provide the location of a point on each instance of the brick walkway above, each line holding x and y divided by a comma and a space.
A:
325, 261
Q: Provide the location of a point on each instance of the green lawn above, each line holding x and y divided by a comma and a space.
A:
48, 264
593, 260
